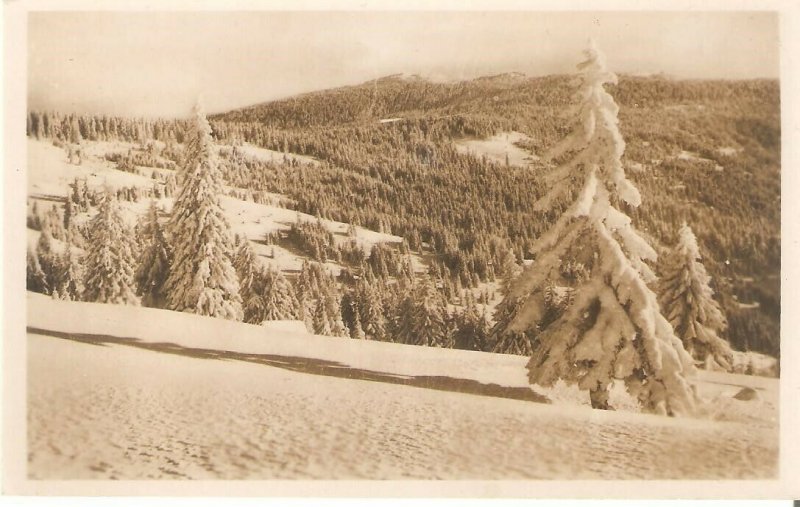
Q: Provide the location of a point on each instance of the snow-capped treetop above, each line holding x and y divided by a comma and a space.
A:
687, 243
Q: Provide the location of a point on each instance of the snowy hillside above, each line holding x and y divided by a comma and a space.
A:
499, 148
50, 173
135, 393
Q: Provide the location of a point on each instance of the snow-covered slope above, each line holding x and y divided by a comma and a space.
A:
497, 147
49, 176
49, 172
134, 393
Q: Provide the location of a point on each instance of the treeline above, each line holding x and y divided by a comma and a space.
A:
74, 128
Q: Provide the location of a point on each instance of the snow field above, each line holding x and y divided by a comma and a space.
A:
497, 147
49, 176
164, 406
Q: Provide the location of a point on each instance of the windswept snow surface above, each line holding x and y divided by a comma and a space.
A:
135, 393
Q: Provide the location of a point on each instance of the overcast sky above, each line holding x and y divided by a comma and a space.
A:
157, 64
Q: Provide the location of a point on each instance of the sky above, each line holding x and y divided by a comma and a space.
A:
158, 63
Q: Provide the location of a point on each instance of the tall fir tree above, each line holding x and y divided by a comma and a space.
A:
154, 261
110, 260
687, 300
612, 328
202, 278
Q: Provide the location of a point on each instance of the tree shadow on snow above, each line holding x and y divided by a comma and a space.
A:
307, 365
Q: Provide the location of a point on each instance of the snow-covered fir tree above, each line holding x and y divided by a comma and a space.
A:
333, 308
612, 328
506, 340
110, 260
403, 322
48, 260
687, 300
154, 261
280, 302
371, 311
356, 331
429, 316
321, 324
35, 279
70, 284
202, 278
248, 271
471, 328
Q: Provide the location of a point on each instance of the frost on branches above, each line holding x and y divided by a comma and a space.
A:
155, 261
202, 278
688, 303
110, 258
585, 297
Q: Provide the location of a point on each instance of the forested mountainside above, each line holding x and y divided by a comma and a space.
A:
386, 158
707, 152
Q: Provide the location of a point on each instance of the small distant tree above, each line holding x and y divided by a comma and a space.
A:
280, 301
429, 316
321, 324
70, 286
356, 331
471, 329
48, 260
110, 261
75, 141
35, 279
687, 299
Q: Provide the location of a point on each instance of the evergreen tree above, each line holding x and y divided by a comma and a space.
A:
403, 328
509, 270
471, 330
356, 331
70, 286
48, 260
110, 261
248, 271
321, 324
371, 312
35, 279
688, 302
612, 328
280, 302
202, 279
154, 261
428, 322
69, 211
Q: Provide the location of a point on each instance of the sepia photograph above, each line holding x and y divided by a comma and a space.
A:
397, 245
